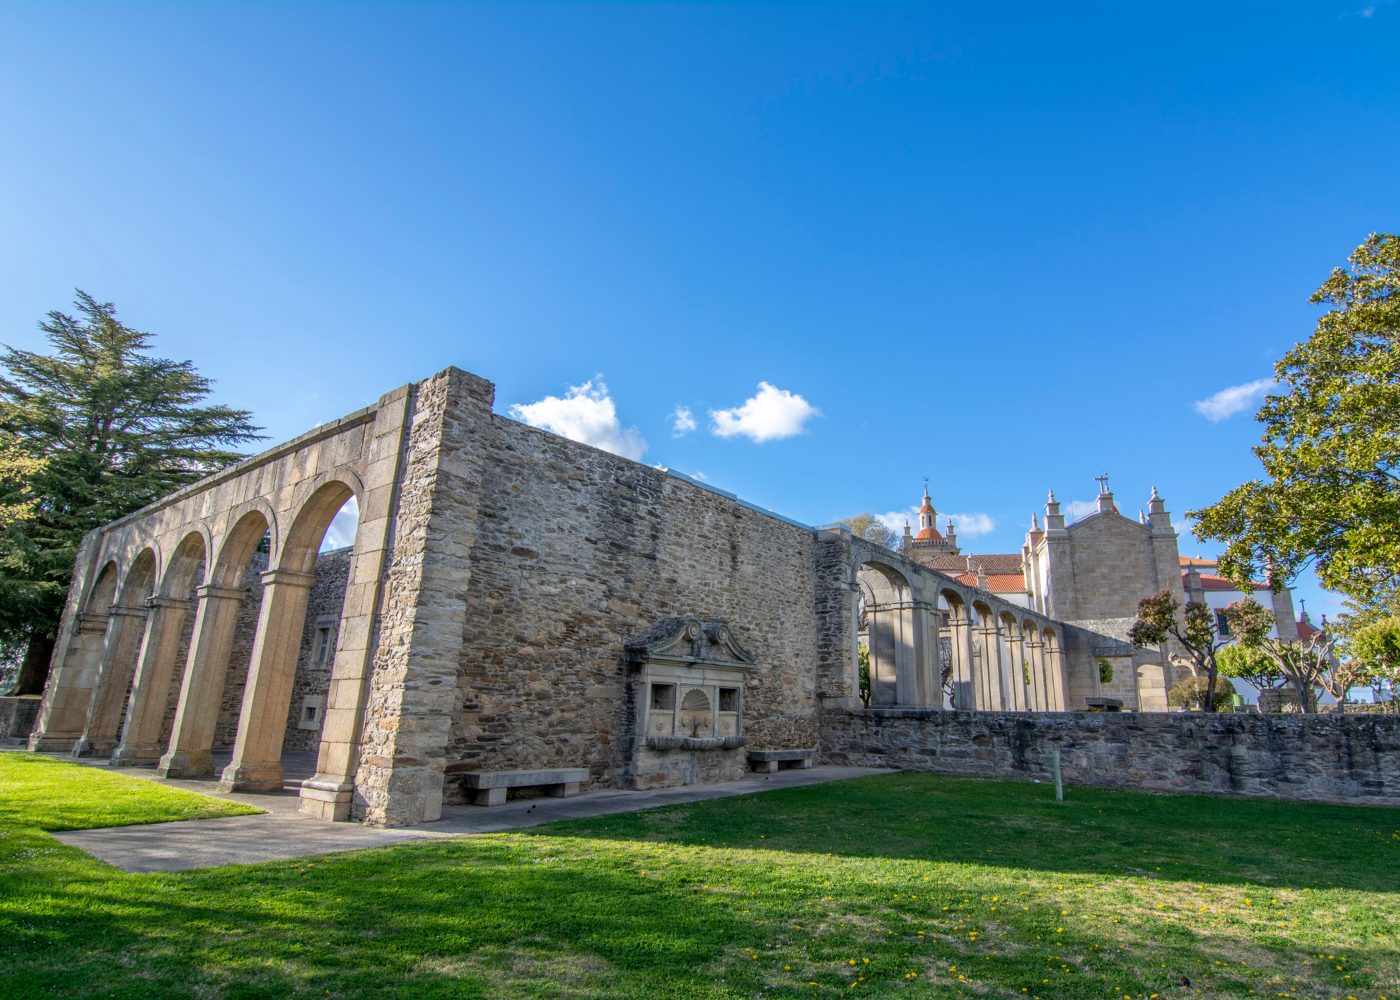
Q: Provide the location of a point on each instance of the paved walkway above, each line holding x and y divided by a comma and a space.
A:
282, 832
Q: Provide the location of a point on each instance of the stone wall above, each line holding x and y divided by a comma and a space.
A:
17, 718
1342, 758
579, 551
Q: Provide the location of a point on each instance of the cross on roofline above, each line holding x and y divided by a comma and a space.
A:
1103, 482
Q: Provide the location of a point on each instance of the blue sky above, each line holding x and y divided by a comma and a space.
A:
1003, 246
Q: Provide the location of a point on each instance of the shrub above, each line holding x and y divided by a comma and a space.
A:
1189, 693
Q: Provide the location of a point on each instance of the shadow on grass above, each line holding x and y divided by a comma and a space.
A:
1017, 824
452, 920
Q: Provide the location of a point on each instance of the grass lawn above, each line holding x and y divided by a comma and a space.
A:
900, 885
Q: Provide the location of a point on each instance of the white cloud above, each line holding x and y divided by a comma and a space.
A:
586, 414
1227, 402
341, 532
1076, 509
972, 525
700, 476
896, 519
966, 525
768, 415
682, 421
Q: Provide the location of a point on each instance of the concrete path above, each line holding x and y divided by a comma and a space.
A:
282, 832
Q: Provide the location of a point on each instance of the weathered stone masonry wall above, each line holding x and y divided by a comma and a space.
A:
1321, 757
578, 552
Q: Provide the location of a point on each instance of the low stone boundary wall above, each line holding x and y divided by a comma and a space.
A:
1332, 758
17, 718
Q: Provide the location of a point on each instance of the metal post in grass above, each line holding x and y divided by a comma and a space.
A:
1055, 766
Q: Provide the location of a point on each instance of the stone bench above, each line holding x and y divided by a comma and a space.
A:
489, 788
768, 761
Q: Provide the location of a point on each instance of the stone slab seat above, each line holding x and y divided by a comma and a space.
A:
489, 788
768, 761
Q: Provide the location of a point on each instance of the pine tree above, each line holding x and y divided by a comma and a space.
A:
116, 429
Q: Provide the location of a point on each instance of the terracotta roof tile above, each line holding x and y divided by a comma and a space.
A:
1209, 581
998, 583
998, 562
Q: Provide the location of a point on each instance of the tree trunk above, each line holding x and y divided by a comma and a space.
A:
34, 672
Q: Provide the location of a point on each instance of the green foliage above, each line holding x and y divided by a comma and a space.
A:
1250, 664
1105, 671
17, 471
863, 661
757, 895
1307, 665
1191, 693
867, 527
1377, 648
1193, 632
1331, 445
114, 429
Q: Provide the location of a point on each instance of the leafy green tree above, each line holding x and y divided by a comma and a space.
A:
1330, 496
1191, 693
116, 428
1307, 665
1194, 632
867, 527
1250, 664
1377, 647
17, 471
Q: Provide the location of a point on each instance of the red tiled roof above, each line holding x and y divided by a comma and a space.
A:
928, 535
1306, 630
1209, 581
1009, 562
945, 561
1189, 561
997, 583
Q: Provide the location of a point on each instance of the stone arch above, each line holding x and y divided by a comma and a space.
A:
987, 656
182, 572
885, 596
150, 702
956, 647
319, 502
236, 546
1052, 669
263, 718
1018, 686
121, 648
103, 592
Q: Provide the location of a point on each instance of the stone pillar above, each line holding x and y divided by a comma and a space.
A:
76, 656
68, 694
1017, 646
1058, 683
150, 688
412, 699
119, 655
930, 657
995, 700
262, 722
908, 655
966, 684
329, 793
1039, 701
202, 686
885, 642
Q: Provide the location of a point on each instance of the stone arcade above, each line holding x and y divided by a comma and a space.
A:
514, 602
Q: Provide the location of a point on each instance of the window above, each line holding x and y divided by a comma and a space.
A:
324, 645
729, 699
663, 697
1222, 624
